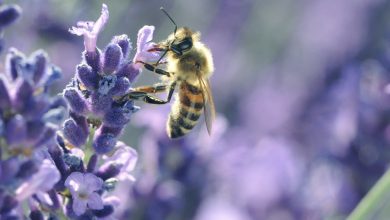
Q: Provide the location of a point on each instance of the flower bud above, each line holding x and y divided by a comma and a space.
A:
124, 43
74, 133
116, 117
103, 143
12, 63
122, 85
100, 103
129, 71
8, 14
86, 75
75, 101
108, 171
112, 58
24, 92
40, 61
93, 60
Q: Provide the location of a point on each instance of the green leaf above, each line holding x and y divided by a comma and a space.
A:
376, 204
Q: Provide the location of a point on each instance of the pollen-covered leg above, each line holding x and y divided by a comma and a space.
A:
141, 93
152, 89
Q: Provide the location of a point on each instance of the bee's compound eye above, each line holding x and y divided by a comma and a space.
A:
185, 45
176, 50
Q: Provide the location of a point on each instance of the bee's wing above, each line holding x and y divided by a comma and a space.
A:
209, 108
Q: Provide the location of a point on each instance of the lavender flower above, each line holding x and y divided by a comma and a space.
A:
29, 117
41, 182
101, 79
83, 188
125, 158
27, 110
90, 30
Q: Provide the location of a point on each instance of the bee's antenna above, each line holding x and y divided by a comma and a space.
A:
170, 18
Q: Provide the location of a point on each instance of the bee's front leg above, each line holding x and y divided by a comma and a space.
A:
154, 68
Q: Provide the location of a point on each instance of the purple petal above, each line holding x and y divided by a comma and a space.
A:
125, 155
145, 35
101, 22
95, 201
90, 30
79, 206
73, 181
44, 198
42, 181
93, 182
109, 170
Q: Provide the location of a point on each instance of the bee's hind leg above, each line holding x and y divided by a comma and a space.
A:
142, 93
153, 68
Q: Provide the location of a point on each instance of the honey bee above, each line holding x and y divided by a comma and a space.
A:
189, 64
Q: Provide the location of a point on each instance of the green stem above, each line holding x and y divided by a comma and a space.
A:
376, 204
88, 151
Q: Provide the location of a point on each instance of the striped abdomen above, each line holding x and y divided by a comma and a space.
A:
185, 111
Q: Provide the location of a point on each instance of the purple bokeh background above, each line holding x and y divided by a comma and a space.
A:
302, 95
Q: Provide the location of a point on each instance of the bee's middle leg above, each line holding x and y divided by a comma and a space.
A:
143, 93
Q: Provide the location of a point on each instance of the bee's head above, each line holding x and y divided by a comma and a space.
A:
183, 40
